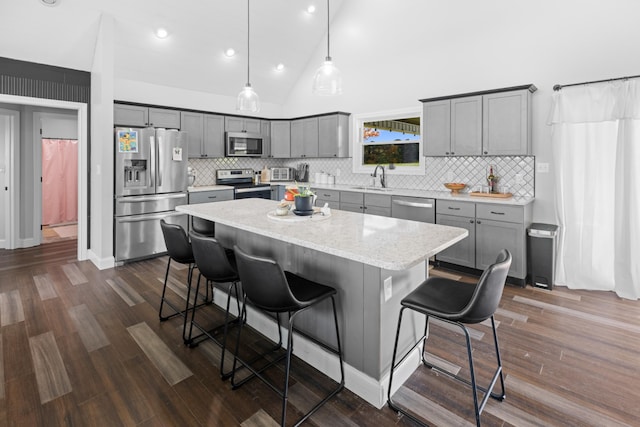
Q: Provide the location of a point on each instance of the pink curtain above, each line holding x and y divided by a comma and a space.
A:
59, 181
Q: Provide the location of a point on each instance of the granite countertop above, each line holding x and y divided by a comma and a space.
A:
441, 195
389, 243
208, 188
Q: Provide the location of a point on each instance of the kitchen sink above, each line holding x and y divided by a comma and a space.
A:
363, 188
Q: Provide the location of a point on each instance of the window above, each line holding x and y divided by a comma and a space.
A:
388, 138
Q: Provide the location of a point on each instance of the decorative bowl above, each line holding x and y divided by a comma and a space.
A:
455, 187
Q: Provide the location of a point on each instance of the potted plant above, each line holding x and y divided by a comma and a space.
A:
304, 199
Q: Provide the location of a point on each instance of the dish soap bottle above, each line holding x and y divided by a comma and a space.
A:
264, 176
492, 179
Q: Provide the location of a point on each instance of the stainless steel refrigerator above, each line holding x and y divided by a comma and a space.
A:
150, 181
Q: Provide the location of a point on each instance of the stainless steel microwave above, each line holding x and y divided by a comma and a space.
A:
243, 144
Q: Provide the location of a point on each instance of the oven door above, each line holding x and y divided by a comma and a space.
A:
261, 192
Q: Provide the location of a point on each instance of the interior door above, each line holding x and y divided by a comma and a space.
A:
9, 120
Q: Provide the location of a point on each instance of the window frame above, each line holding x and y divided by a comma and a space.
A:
357, 126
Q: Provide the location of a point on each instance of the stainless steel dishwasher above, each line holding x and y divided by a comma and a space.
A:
414, 208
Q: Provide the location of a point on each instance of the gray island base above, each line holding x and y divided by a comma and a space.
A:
372, 261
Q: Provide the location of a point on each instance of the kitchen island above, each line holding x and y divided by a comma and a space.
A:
372, 261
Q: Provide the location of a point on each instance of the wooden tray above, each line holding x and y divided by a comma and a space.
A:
494, 195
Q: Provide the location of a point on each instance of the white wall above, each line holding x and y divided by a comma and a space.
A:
60, 126
148, 93
394, 52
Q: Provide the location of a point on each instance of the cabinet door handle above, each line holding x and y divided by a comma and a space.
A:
471, 221
213, 197
447, 153
452, 153
453, 209
478, 222
497, 213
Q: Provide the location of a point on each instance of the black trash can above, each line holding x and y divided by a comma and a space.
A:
542, 254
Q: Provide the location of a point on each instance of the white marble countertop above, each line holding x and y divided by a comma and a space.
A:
208, 188
441, 195
389, 243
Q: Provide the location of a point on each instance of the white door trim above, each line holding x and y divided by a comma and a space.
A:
82, 112
12, 170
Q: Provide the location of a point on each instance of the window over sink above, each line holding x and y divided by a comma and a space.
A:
388, 138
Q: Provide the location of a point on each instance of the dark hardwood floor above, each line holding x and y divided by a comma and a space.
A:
80, 346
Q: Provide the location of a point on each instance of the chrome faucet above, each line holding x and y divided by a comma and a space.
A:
383, 178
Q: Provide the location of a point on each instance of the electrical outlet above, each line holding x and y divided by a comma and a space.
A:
387, 289
519, 178
542, 167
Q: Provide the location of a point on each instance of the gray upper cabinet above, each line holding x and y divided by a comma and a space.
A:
485, 123
137, 116
265, 131
304, 137
453, 127
281, 139
242, 124
205, 133
507, 123
333, 135
466, 126
436, 117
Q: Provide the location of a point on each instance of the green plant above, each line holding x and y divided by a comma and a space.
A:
304, 191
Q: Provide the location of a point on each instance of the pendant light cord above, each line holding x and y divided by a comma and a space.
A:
248, 37
328, 44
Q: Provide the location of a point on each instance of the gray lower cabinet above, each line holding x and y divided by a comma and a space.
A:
138, 116
458, 214
205, 133
277, 192
332, 197
491, 227
373, 204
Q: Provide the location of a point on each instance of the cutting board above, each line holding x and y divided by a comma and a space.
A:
494, 195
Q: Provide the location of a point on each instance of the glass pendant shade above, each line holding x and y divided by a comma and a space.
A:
248, 100
327, 80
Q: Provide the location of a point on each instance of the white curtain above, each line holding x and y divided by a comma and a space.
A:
596, 149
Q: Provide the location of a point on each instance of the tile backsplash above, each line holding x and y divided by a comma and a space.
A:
515, 171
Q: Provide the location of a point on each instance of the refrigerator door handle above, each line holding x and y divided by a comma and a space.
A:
140, 199
152, 142
151, 217
160, 160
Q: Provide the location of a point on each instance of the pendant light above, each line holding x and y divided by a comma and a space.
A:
327, 80
248, 99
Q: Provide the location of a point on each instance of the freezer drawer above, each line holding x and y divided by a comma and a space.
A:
140, 236
136, 205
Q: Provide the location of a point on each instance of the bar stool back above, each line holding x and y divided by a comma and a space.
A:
218, 266
458, 303
179, 250
269, 288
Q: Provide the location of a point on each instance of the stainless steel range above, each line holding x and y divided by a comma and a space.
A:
242, 182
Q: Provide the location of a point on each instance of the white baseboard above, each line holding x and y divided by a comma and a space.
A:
101, 263
368, 388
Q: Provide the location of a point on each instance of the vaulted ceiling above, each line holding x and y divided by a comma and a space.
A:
192, 57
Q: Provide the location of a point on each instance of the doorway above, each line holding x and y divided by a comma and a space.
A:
27, 233
58, 174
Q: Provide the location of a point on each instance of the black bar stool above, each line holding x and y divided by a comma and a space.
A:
218, 266
179, 250
267, 287
458, 303
203, 226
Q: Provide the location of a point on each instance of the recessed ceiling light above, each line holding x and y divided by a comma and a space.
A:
229, 52
280, 67
311, 8
50, 2
162, 33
